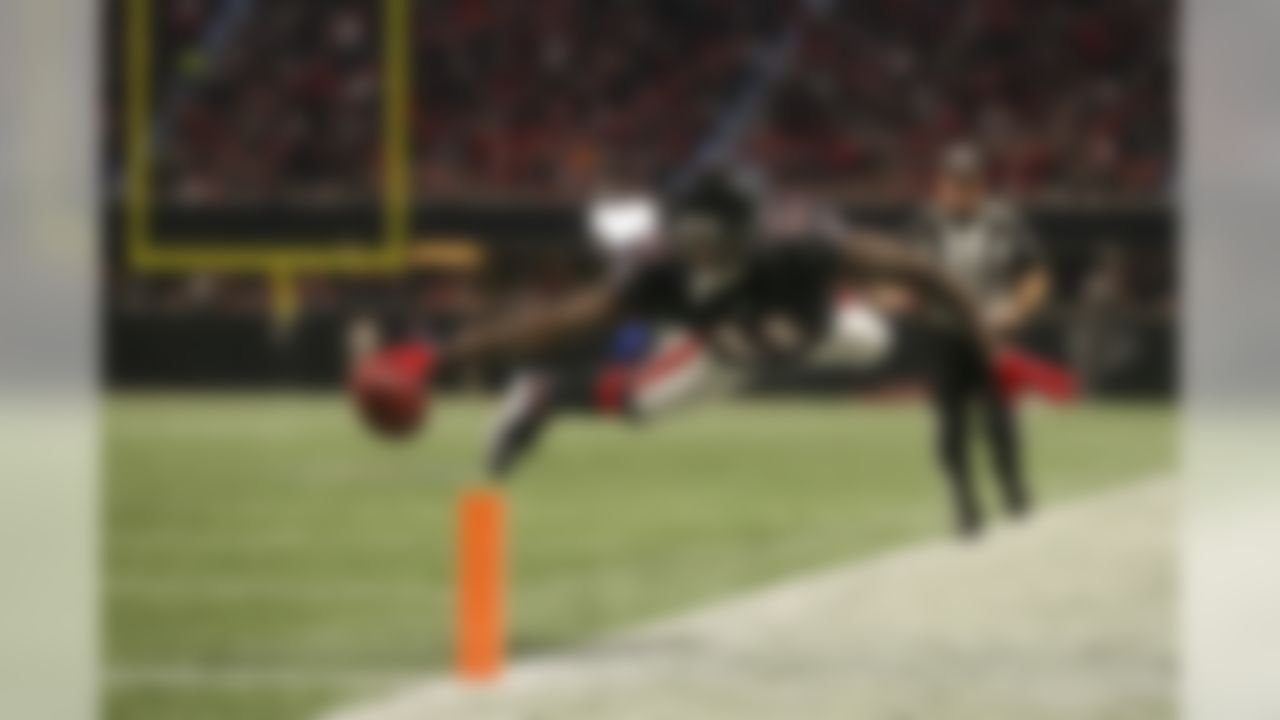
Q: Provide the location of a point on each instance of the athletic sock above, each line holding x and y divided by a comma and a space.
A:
526, 409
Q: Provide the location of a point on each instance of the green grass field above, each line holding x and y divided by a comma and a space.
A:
266, 558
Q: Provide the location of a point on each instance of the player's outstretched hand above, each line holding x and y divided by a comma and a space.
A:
391, 388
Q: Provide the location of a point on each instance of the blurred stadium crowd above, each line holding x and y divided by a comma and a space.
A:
536, 100
515, 104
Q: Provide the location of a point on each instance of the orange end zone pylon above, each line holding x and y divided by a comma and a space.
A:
481, 585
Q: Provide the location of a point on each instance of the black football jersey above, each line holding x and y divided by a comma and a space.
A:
773, 305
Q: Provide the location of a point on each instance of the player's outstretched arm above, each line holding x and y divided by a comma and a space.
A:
391, 386
868, 255
534, 328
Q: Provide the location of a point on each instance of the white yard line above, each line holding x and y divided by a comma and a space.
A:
249, 678
1065, 618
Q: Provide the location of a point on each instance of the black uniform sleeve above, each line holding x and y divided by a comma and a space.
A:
818, 259
653, 290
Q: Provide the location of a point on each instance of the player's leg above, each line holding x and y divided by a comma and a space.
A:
533, 400
527, 407
952, 388
677, 374
674, 374
860, 337
1005, 439
536, 395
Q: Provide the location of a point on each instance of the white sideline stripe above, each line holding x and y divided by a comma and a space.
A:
1064, 618
264, 678
302, 593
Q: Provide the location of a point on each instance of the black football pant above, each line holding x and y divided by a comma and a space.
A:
963, 383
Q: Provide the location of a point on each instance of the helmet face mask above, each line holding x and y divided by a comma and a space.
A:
712, 223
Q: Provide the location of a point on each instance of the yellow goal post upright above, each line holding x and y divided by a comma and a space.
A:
280, 262
481, 600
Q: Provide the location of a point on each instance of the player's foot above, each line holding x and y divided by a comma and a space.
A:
1020, 509
969, 526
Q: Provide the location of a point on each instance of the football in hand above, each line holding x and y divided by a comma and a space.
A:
389, 395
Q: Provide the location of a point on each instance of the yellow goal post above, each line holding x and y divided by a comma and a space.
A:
279, 261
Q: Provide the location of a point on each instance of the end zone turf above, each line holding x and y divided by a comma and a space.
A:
266, 560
